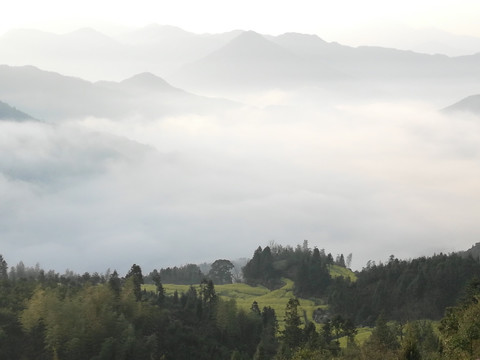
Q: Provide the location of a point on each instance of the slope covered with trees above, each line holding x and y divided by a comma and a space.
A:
403, 290
45, 315
308, 268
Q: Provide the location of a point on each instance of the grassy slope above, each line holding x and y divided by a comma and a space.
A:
245, 295
336, 271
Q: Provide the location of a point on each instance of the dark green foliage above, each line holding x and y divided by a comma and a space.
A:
292, 334
3, 269
184, 275
115, 283
158, 284
221, 272
312, 276
403, 289
80, 320
307, 268
260, 269
419, 341
135, 274
460, 327
267, 347
45, 315
383, 343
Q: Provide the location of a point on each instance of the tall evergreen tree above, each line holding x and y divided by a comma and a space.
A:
292, 334
3, 269
135, 273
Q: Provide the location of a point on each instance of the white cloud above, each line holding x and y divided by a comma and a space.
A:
373, 179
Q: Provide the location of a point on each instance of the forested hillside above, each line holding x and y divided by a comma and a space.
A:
46, 315
402, 290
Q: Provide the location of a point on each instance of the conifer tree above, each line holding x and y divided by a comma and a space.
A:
3, 269
292, 335
135, 273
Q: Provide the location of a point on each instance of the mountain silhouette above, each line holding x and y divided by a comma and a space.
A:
470, 104
251, 60
8, 112
147, 82
55, 97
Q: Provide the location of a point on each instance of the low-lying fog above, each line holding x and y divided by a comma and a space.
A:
372, 177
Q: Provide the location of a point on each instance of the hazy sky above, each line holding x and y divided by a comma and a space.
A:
333, 20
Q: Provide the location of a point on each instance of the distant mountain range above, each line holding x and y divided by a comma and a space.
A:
55, 97
292, 59
252, 60
89, 54
226, 60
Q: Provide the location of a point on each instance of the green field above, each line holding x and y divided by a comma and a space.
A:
363, 334
336, 271
245, 295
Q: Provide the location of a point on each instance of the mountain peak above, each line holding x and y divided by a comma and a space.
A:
147, 81
298, 36
156, 33
470, 104
249, 37
250, 44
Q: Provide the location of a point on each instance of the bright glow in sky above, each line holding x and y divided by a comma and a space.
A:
325, 18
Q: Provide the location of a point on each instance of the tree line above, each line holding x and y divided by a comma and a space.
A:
401, 290
46, 315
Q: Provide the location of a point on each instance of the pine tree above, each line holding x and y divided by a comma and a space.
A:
3, 269
292, 335
135, 273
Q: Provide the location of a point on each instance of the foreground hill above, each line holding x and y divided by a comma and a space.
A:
245, 294
46, 315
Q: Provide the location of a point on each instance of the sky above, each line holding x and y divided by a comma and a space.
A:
334, 20
373, 178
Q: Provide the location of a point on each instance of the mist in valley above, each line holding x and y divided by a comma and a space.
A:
232, 141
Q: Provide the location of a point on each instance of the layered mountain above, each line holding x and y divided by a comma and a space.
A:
251, 60
470, 104
236, 59
85, 52
291, 59
90, 54
8, 112
55, 97
371, 62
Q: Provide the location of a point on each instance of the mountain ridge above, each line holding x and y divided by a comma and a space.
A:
8, 112
57, 97
470, 104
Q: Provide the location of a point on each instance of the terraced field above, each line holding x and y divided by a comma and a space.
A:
245, 295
